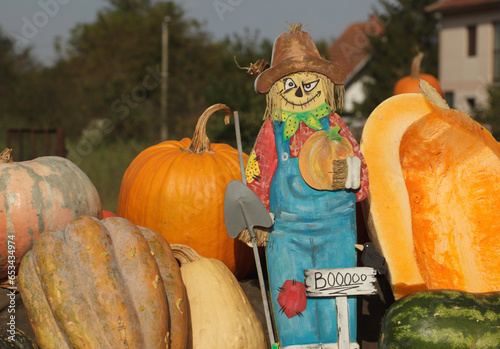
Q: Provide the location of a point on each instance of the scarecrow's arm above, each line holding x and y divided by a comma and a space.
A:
262, 163
336, 120
260, 170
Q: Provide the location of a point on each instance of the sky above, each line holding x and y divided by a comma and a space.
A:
37, 23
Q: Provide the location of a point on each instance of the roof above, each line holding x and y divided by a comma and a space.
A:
454, 5
349, 50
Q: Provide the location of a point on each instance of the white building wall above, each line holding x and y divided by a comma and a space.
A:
354, 94
467, 77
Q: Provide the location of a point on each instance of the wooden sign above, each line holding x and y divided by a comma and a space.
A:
340, 282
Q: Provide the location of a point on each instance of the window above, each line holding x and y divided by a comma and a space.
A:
471, 101
496, 53
449, 98
471, 40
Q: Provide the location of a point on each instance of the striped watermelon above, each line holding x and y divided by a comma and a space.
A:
442, 319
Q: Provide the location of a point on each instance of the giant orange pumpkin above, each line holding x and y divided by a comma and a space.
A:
39, 195
410, 84
177, 188
434, 207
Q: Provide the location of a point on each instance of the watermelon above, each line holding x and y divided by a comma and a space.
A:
442, 319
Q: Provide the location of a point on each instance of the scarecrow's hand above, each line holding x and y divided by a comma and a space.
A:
346, 173
262, 235
353, 173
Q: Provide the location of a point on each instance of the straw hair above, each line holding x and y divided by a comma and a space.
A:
334, 96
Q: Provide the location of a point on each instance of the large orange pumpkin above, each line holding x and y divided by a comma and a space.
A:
177, 188
39, 195
434, 194
410, 84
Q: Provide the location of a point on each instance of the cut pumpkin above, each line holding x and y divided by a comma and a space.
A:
451, 166
387, 208
433, 208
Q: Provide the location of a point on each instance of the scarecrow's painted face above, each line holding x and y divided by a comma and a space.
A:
301, 91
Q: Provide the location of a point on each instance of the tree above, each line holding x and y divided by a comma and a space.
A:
111, 69
490, 116
20, 91
409, 29
107, 77
130, 5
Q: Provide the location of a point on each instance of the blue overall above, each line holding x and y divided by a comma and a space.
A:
313, 229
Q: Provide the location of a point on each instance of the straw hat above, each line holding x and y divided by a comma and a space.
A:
293, 52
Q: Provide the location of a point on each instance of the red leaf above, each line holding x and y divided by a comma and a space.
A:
292, 298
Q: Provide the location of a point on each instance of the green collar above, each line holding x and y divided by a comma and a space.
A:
310, 118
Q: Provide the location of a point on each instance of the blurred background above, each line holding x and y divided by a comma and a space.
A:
98, 81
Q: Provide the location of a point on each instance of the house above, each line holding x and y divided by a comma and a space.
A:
350, 52
469, 50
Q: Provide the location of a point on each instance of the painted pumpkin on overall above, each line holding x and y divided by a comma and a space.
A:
434, 202
104, 284
36, 196
177, 188
318, 155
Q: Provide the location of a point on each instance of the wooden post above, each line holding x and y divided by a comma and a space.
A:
61, 148
164, 80
33, 143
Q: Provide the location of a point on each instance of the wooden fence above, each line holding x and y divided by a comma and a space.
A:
27, 144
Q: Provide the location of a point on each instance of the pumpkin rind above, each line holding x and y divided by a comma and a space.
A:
221, 315
442, 319
40, 195
175, 290
96, 285
21, 340
179, 193
387, 208
411, 83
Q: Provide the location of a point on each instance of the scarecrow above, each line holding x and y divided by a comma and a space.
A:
314, 228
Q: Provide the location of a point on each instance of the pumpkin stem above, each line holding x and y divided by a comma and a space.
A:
432, 95
185, 254
333, 134
6, 156
200, 142
415, 65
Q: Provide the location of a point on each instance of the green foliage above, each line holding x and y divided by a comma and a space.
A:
106, 165
20, 90
236, 89
490, 116
130, 5
104, 88
408, 30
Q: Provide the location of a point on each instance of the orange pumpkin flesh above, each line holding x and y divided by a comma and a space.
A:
387, 209
177, 188
431, 206
317, 155
411, 83
451, 167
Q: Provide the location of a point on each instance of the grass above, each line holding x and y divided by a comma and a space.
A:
105, 165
